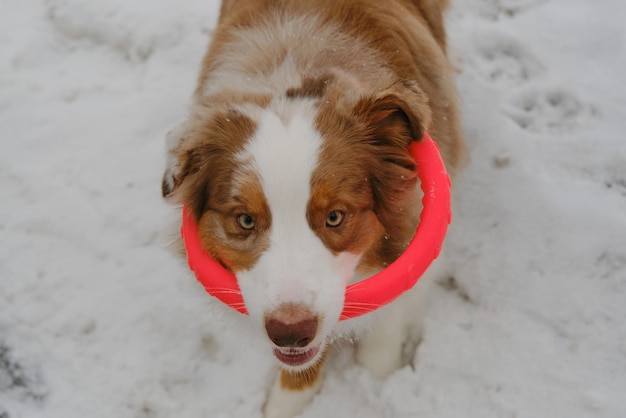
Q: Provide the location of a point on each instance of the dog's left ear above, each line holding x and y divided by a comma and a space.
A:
394, 118
398, 113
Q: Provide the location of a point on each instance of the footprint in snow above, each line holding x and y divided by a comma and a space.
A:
503, 61
552, 111
17, 380
615, 174
497, 9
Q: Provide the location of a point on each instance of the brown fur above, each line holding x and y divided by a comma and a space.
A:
375, 132
210, 173
408, 35
297, 381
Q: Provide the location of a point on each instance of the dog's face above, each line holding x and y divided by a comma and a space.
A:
297, 196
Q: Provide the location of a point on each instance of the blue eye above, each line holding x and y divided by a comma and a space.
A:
246, 221
334, 219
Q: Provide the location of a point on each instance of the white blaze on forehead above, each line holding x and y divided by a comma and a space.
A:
297, 267
285, 154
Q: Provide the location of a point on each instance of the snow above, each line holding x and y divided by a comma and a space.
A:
98, 317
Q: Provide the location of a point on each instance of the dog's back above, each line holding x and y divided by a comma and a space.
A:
408, 35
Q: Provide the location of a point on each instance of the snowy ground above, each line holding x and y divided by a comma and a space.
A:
99, 320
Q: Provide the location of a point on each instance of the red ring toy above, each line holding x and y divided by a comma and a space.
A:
381, 288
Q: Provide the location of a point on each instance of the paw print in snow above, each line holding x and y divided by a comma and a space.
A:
503, 61
550, 111
18, 381
615, 173
496, 9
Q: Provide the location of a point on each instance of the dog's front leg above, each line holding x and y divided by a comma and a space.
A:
292, 391
380, 348
395, 333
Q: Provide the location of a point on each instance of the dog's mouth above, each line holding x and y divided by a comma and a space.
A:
295, 357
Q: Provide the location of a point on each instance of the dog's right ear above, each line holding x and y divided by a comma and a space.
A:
177, 159
200, 156
190, 156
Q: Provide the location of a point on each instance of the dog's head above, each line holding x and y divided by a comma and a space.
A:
298, 195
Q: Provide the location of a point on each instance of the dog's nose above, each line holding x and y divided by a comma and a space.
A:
298, 334
291, 325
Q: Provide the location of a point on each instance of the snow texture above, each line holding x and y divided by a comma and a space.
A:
99, 319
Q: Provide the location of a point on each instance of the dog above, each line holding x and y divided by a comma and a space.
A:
293, 162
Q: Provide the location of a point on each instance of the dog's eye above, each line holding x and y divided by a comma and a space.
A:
246, 221
334, 218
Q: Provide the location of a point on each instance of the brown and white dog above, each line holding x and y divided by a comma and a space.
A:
294, 163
